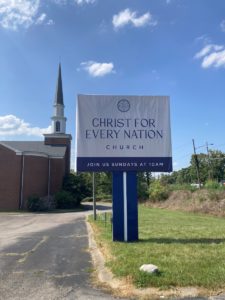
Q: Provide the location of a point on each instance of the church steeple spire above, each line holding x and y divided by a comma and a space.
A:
59, 90
58, 119
58, 136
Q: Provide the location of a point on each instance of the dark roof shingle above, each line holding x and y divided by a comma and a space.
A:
35, 147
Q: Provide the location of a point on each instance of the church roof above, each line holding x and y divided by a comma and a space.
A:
59, 90
35, 147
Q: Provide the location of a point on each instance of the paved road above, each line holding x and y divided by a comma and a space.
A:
45, 256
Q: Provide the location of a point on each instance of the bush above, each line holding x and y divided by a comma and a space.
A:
212, 184
142, 190
158, 192
183, 187
65, 200
35, 203
78, 186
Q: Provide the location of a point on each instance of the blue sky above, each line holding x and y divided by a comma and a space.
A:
145, 47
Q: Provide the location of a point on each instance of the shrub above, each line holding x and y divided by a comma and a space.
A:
65, 200
142, 190
212, 184
35, 203
183, 187
78, 186
158, 192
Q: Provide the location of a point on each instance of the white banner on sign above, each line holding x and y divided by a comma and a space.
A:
115, 130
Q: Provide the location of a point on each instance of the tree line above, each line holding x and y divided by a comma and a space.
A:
210, 166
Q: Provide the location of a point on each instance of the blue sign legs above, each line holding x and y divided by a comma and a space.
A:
125, 209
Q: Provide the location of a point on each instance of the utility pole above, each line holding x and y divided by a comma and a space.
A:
94, 195
209, 162
197, 164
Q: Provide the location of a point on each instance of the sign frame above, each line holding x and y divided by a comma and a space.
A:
123, 133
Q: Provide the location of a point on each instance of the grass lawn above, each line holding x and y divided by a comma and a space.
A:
189, 249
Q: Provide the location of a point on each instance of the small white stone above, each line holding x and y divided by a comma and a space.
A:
149, 268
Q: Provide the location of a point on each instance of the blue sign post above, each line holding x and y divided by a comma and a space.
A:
125, 210
123, 135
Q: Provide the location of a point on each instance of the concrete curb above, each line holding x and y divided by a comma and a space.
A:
104, 275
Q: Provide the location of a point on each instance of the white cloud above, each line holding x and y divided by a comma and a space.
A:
222, 25
207, 49
80, 2
215, 59
14, 14
60, 2
205, 39
212, 56
12, 125
127, 16
41, 19
50, 22
97, 69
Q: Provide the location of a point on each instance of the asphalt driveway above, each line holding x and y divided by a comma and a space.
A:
45, 256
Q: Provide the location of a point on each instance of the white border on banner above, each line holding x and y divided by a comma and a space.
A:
125, 204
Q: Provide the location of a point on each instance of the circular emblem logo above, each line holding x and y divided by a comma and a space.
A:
123, 105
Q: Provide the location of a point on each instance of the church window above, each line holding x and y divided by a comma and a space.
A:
57, 126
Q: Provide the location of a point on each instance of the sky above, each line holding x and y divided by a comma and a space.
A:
121, 47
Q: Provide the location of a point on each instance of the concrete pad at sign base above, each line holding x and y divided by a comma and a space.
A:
149, 268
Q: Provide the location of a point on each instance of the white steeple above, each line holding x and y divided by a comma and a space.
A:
58, 119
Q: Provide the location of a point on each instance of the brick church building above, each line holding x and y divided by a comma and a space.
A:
36, 167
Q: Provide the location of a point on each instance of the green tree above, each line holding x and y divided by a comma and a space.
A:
144, 180
103, 183
79, 185
158, 192
211, 166
166, 179
184, 176
216, 164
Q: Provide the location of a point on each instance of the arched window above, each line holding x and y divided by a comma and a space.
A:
57, 126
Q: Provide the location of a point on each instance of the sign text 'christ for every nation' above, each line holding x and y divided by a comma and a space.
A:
123, 133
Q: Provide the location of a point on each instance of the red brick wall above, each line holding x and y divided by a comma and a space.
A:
57, 174
35, 181
10, 175
35, 177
